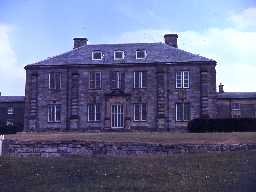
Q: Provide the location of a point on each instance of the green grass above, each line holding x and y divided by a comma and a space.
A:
216, 172
143, 137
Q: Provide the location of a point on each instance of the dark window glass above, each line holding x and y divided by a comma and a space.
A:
95, 80
54, 113
97, 55
140, 54
54, 80
144, 112
94, 112
136, 112
182, 111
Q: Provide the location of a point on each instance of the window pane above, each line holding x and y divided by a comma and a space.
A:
97, 55
179, 112
98, 80
136, 79
140, 54
178, 79
185, 79
144, 112
50, 113
144, 79
58, 80
58, 113
119, 54
91, 80
186, 111
52, 81
90, 112
98, 113
113, 79
136, 112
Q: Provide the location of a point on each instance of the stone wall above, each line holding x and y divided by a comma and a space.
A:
86, 148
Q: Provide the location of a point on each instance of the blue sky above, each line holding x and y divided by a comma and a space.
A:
31, 30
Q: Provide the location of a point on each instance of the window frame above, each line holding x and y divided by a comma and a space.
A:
9, 122
54, 108
95, 112
94, 80
57, 76
118, 51
144, 51
183, 112
141, 105
182, 79
235, 111
95, 52
142, 75
116, 79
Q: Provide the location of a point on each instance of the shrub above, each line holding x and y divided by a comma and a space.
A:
222, 125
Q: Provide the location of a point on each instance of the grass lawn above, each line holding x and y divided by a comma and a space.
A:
216, 172
143, 137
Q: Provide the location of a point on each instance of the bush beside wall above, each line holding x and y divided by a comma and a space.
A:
222, 125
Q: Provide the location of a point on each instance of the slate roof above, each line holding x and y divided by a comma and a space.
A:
237, 95
156, 53
9, 99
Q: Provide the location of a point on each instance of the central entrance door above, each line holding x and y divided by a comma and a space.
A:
117, 116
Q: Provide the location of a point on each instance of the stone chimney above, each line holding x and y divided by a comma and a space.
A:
78, 42
221, 90
171, 39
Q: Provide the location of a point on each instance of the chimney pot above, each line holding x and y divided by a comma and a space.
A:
221, 89
79, 41
171, 39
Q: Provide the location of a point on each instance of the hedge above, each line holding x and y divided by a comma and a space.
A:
222, 125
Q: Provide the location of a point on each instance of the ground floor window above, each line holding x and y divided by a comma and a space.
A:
140, 111
94, 112
54, 113
182, 111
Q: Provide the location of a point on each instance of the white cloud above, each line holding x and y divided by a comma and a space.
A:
245, 19
12, 76
234, 51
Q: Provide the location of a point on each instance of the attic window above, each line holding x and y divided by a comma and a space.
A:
118, 55
141, 54
97, 55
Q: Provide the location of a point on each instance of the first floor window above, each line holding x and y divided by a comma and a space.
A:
95, 80
182, 79
10, 111
140, 111
94, 112
140, 79
117, 80
182, 111
54, 113
54, 79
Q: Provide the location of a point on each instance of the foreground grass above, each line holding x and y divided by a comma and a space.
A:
143, 137
216, 172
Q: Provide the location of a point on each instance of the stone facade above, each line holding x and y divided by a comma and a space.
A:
162, 63
86, 148
12, 110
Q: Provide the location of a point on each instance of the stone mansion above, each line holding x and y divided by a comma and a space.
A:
136, 86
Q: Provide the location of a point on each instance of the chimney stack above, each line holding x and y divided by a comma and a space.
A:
221, 90
171, 39
78, 42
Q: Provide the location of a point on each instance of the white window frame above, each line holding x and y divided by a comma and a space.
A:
94, 112
10, 110
235, 112
55, 80
101, 55
54, 112
183, 79
94, 80
140, 112
145, 54
140, 79
116, 58
183, 112
118, 116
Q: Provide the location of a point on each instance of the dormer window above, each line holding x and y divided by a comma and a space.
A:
97, 55
141, 54
118, 55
